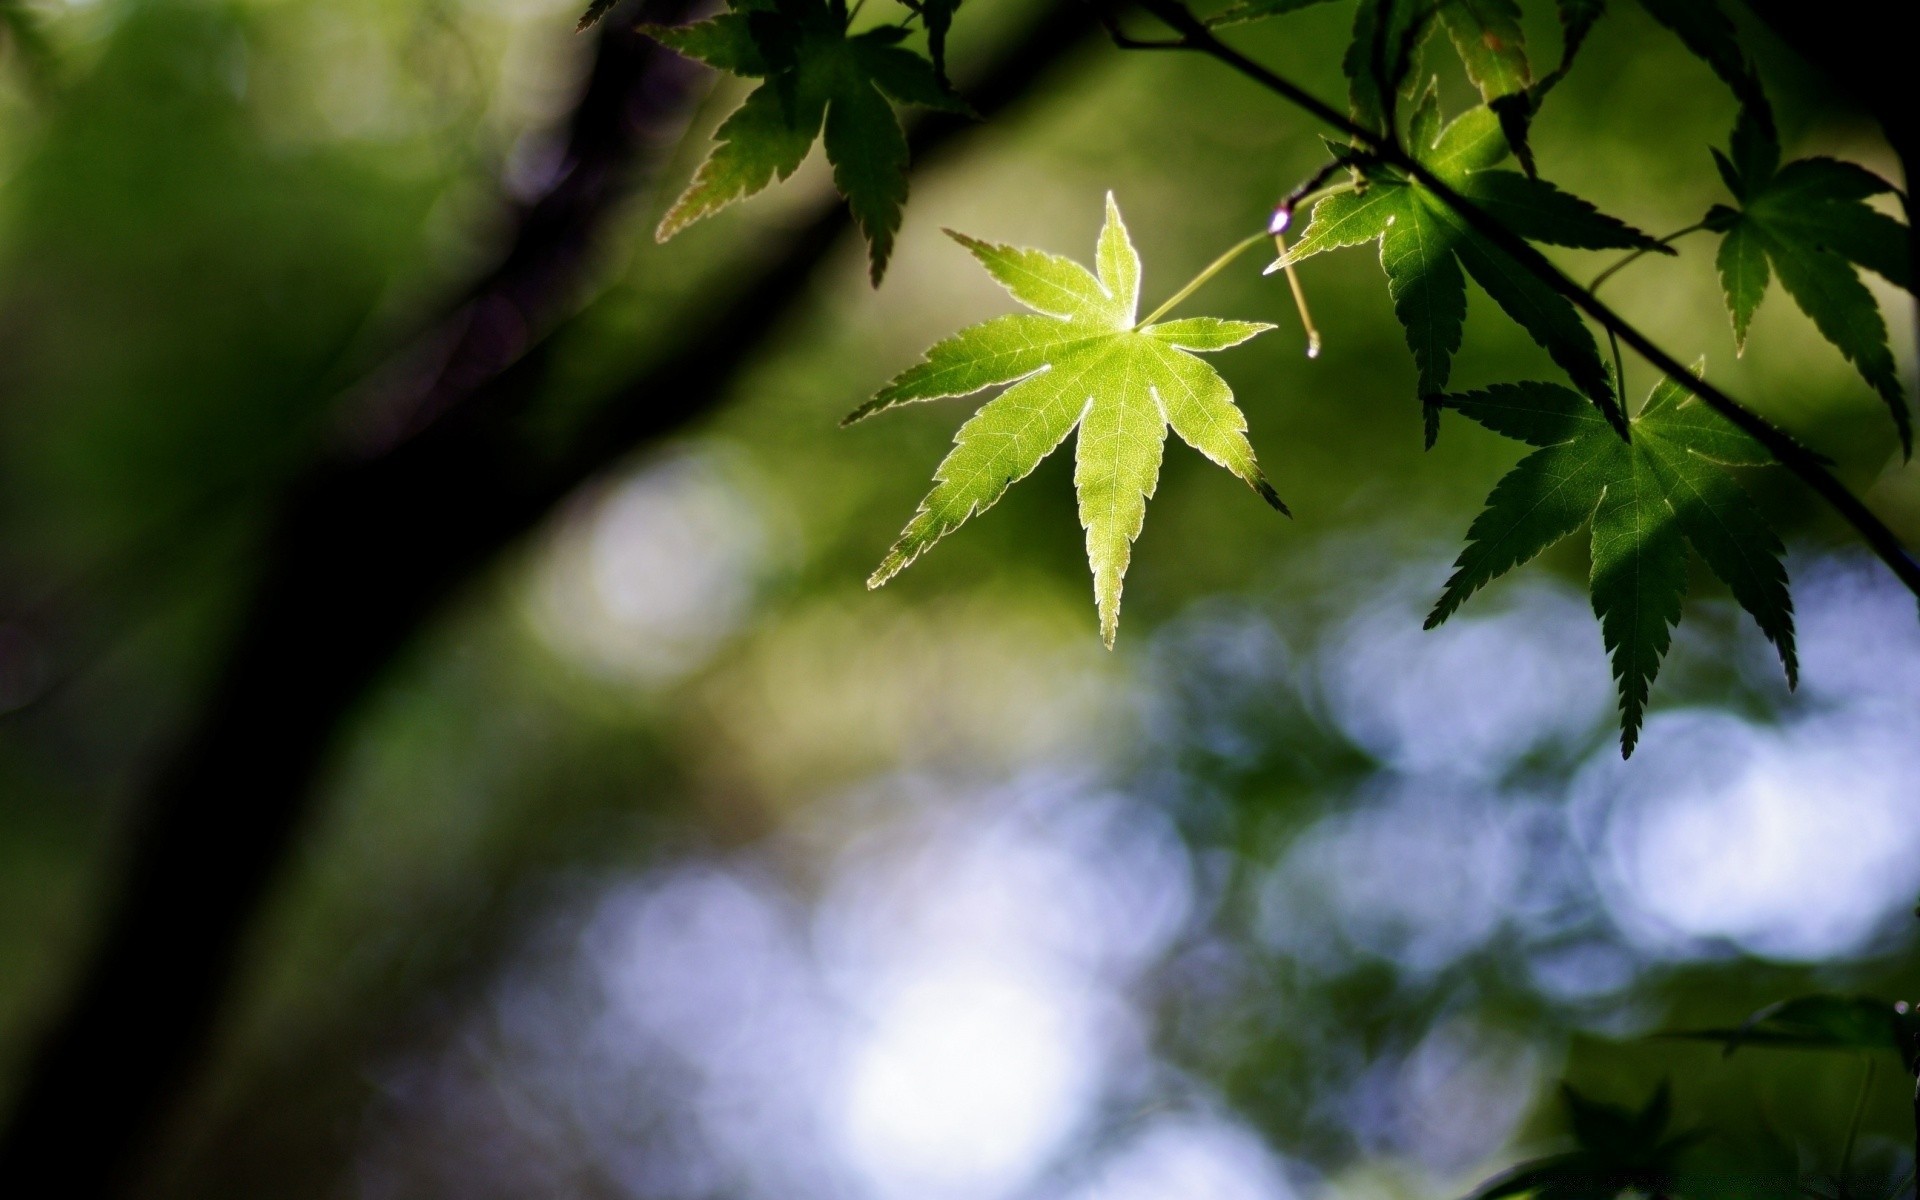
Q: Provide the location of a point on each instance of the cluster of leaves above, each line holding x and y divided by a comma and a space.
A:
1424, 244
818, 80
1624, 1151
1647, 485
1651, 486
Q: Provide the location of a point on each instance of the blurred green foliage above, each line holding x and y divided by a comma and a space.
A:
216, 218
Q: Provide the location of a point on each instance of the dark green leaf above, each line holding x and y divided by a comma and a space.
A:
1756, 148
590, 18
937, 16
1621, 1152
1518, 109
1379, 59
1823, 1021
1547, 316
1425, 245
1639, 576
1429, 293
1540, 212
1810, 223
1646, 501
1493, 48
903, 75
726, 43
1577, 18
1829, 290
1743, 278
815, 75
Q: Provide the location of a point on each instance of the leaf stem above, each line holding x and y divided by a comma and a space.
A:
1193, 285
1668, 240
1299, 297
1805, 464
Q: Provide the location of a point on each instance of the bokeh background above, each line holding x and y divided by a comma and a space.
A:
669, 862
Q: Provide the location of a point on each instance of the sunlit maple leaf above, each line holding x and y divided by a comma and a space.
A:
1080, 360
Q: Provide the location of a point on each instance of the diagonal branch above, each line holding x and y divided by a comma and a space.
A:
364, 550
1807, 466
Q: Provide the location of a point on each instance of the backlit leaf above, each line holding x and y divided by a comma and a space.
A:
1082, 362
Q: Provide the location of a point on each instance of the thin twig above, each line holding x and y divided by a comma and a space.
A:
1802, 462
1668, 240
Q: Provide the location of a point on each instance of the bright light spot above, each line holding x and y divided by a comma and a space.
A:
1459, 1097
1189, 1158
1420, 878
1796, 843
1475, 695
971, 1075
939, 1024
645, 583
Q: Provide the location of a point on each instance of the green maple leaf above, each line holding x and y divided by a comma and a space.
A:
1379, 58
1809, 223
815, 76
1424, 245
1620, 1152
1486, 34
937, 16
1822, 1021
1080, 359
1645, 500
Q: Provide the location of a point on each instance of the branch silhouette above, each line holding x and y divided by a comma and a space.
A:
365, 548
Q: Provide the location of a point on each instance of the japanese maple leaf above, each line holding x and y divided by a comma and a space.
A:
1646, 501
1424, 245
1620, 1152
1810, 222
1081, 360
814, 74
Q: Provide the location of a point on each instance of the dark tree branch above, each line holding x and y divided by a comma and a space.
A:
365, 549
1802, 462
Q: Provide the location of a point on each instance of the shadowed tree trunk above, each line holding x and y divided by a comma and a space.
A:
364, 549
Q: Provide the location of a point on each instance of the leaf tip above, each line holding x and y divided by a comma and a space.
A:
1272, 497
862, 413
